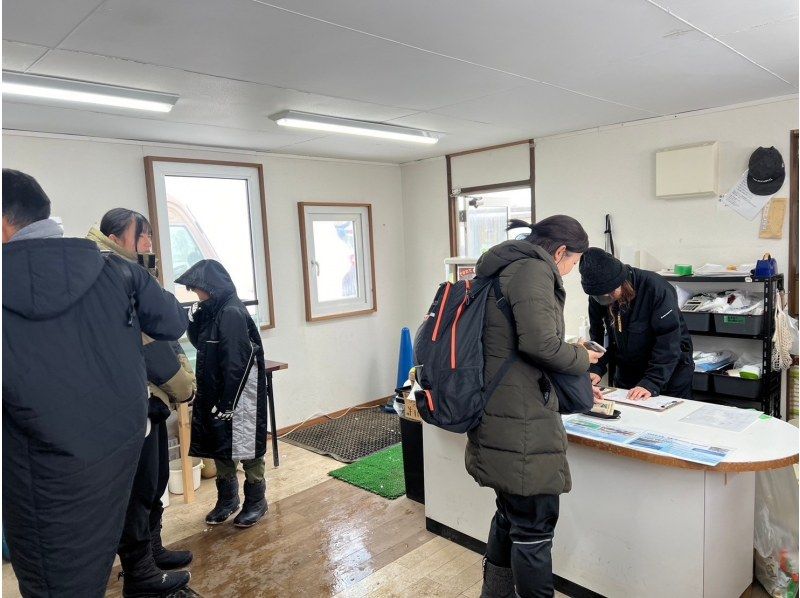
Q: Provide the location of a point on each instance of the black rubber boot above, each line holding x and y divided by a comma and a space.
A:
144, 580
498, 582
167, 559
255, 504
227, 501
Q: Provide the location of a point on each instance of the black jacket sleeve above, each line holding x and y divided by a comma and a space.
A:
666, 325
597, 333
236, 354
160, 315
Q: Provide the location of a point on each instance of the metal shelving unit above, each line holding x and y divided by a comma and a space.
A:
769, 394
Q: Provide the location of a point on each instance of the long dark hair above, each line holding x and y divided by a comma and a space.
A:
555, 231
117, 221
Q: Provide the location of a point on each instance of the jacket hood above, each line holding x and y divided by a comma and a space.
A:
43, 278
507, 252
105, 244
211, 277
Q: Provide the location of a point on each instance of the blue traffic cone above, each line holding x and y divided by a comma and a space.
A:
405, 362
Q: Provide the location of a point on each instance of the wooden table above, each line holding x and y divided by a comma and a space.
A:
635, 523
272, 367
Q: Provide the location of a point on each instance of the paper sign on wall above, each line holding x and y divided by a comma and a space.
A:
742, 201
772, 219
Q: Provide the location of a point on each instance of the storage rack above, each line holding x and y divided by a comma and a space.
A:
767, 390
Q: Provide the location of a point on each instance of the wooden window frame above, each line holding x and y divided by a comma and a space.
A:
152, 206
452, 197
310, 317
794, 213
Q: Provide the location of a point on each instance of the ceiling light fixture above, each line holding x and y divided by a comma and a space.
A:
333, 124
83, 92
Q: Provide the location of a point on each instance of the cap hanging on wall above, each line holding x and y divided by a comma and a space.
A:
766, 171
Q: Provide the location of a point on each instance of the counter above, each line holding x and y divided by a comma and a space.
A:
635, 523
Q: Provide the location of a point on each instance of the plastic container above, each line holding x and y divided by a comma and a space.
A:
701, 381
735, 386
698, 322
175, 484
731, 324
165, 498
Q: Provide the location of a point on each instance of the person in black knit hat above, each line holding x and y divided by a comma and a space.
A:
635, 313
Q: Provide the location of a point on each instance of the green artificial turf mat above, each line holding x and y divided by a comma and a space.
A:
380, 473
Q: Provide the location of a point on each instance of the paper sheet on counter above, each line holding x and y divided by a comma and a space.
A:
619, 395
731, 419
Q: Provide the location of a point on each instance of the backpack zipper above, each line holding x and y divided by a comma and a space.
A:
440, 315
464, 302
429, 397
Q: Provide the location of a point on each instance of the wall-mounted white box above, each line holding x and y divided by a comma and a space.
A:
688, 171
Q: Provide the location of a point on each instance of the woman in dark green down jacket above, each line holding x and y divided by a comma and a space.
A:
519, 448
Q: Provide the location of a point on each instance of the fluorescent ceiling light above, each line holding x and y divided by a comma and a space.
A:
333, 124
82, 92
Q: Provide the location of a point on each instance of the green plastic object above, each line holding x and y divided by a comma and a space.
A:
683, 270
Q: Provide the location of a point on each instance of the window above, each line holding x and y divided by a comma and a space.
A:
338, 267
483, 218
212, 210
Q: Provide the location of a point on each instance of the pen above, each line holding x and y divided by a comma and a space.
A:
670, 404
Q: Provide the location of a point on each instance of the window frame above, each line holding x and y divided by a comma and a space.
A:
453, 194
306, 211
158, 167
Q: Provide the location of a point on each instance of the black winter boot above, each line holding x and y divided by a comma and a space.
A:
144, 580
227, 501
255, 504
167, 559
498, 582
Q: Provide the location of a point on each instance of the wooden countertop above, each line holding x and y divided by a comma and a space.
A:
767, 444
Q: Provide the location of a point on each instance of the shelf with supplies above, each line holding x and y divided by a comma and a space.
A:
766, 390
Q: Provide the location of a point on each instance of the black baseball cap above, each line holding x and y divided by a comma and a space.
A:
766, 171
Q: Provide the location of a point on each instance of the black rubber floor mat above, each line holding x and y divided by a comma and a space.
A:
347, 439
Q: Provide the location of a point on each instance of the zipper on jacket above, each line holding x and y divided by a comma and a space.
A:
440, 315
455, 327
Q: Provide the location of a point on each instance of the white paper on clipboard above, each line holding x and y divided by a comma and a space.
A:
742, 201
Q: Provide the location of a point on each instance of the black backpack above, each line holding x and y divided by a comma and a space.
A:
448, 355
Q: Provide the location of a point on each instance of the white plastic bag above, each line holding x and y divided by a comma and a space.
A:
784, 339
775, 539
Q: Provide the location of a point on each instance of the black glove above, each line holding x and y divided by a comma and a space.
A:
157, 411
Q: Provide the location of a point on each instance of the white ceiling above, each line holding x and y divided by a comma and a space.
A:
479, 72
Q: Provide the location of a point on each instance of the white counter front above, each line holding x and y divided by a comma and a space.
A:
635, 523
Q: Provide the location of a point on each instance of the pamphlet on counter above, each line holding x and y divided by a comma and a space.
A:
644, 440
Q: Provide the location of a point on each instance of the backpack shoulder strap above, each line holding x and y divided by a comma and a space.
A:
123, 270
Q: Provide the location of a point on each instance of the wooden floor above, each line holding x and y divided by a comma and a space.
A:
321, 538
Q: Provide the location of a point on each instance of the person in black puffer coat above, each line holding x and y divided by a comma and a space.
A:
74, 394
638, 313
229, 420
127, 234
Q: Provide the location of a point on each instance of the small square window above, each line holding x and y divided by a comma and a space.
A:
338, 268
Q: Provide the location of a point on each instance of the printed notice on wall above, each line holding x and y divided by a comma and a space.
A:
744, 202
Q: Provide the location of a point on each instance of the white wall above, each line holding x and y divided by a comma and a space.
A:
612, 170
332, 365
427, 237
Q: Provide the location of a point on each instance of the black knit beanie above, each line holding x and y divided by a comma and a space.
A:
601, 272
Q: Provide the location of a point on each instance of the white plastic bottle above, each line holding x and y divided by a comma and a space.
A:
583, 329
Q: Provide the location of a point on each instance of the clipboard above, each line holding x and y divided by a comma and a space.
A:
619, 395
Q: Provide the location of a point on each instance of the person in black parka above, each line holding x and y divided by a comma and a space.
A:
229, 420
74, 394
649, 343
